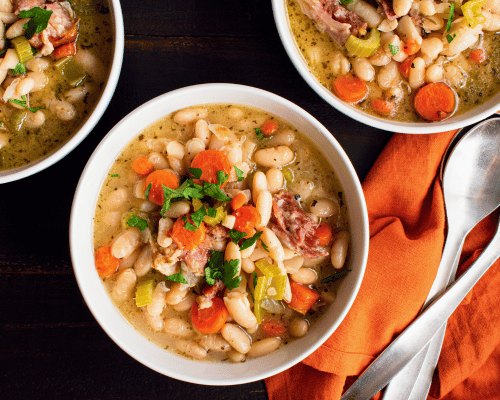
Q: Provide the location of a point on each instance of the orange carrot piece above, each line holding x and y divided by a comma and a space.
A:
383, 106
142, 165
405, 66
434, 101
246, 218
210, 162
210, 319
269, 128
303, 297
273, 327
66, 50
324, 233
350, 88
185, 238
105, 263
157, 179
411, 47
238, 201
478, 56
69, 36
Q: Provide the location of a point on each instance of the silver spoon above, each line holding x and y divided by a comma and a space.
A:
471, 187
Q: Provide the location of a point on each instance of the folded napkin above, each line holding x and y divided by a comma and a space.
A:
407, 233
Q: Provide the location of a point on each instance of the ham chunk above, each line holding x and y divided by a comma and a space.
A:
294, 227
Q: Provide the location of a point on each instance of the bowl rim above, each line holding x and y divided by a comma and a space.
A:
288, 41
98, 111
81, 250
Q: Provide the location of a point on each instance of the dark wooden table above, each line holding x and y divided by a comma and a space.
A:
50, 345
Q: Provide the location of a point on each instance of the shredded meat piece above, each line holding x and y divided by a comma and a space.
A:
387, 8
331, 17
22, 5
297, 229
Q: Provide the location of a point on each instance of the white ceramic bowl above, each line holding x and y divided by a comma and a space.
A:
97, 298
99, 109
470, 117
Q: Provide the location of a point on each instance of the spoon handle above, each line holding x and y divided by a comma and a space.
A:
422, 329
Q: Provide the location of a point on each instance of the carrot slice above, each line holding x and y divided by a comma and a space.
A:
142, 165
411, 47
210, 162
405, 66
269, 128
66, 50
210, 319
185, 238
273, 327
478, 56
382, 106
350, 88
246, 218
105, 263
324, 233
158, 178
238, 201
435, 101
303, 297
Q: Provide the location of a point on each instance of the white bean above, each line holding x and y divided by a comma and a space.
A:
139, 189
214, 342
363, 69
401, 7
25, 86
247, 265
416, 77
339, 249
283, 138
177, 165
6, 6
190, 115
176, 149
388, 75
272, 242
274, 156
235, 356
306, 276
41, 80
144, 262
238, 307
236, 337
91, 64
432, 23
10, 60
275, 180
185, 304
177, 293
35, 120
427, 7
154, 321
63, 110
124, 285
158, 161
178, 209
328, 295
202, 132
264, 206
193, 147
16, 29
380, 57
126, 243
259, 184
264, 346
178, 327
159, 300
232, 252
407, 30
434, 73
293, 264
340, 65
37, 64
298, 327
73, 95
388, 25
324, 208
190, 348
366, 11
431, 47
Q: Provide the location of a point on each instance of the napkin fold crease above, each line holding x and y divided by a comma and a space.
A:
407, 232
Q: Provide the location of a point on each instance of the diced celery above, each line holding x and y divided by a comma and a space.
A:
71, 70
16, 119
472, 12
288, 175
23, 49
144, 293
276, 287
363, 47
268, 268
260, 289
212, 221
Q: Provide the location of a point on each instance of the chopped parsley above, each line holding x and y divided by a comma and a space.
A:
334, 277
178, 277
345, 2
265, 247
23, 103
394, 49
39, 19
250, 241
219, 270
114, 175
239, 173
450, 17
19, 69
450, 38
137, 222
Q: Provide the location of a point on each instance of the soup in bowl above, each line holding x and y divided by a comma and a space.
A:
59, 67
407, 66
209, 233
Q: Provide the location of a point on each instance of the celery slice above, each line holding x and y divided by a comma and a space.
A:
71, 70
23, 49
364, 47
212, 221
472, 12
288, 175
144, 293
268, 268
276, 287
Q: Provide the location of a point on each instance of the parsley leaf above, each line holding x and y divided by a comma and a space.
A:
450, 17
38, 22
450, 38
196, 172
239, 173
265, 247
334, 277
197, 216
188, 225
22, 103
345, 2
212, 212
19, 69
215, 192
219, 270
178, 277
137, 222
250, 241
236, 236
394, 49
114, 175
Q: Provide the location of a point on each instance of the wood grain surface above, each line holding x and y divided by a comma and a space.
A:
51, 347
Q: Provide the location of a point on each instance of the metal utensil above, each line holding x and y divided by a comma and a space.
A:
471, 192
414, 380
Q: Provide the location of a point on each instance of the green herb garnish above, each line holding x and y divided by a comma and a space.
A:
450, 17
394, 49
334, 277
219, 270
236, 236
178, 277
250, 241
39, 19
450, 38
137, 222
239, 173
19, 69
23, 103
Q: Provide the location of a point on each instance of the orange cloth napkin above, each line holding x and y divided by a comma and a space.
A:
407, 233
